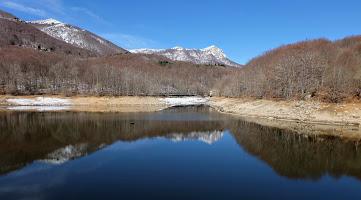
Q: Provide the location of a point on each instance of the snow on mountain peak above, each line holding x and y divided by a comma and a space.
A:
215, 51
76, 36
211, 55
178, 48
212, 47
49, 21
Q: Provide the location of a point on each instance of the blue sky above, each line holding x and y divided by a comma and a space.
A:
244, 29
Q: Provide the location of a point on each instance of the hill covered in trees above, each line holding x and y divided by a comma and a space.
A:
324, 69
29, 72
321, 69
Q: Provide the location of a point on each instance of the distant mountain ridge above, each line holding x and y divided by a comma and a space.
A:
77, 37
211, 55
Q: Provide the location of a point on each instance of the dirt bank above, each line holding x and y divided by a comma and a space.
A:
301, 111
309, 118
95, 104
81, 104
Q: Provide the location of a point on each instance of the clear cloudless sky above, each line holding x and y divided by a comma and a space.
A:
243, 29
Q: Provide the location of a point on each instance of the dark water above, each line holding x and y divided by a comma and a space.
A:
188, 153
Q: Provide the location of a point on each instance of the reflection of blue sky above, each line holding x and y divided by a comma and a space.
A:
39, 177
162, 166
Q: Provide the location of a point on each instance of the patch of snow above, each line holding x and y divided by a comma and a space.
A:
178, 48
40, 101
145, 51
210, 55
75, 36
185, 101
38, 108
50, 21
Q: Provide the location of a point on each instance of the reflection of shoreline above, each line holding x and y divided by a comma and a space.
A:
59, 137
298, 156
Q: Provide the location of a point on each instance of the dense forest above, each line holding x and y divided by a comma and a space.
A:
322, 69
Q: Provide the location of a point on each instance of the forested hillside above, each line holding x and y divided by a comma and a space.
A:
29, 72
322, 69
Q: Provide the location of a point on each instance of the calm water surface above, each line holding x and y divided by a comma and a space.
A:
184, 153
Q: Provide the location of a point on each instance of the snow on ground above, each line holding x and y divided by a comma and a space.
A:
50, 21
40, 101
39, 108
41, 104
184, 101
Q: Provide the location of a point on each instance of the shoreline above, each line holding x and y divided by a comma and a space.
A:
311, 112
53, 103
306, 117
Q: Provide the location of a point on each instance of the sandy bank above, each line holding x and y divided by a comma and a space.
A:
309, 118
81, 104
94, 104
301, 111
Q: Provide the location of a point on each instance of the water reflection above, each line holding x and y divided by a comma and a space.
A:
56, 138
298, 156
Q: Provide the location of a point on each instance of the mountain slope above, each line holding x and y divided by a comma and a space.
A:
7, 15
14, 32
211, 55
78, 37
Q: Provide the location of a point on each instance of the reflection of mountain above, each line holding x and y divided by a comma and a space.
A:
65, 154
206, 137
72, 152
59, 137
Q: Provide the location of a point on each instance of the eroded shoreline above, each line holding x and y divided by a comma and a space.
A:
305, 117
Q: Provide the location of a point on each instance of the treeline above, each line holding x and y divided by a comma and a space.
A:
322, 69
29, 72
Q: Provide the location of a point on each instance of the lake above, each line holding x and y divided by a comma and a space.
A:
179, 153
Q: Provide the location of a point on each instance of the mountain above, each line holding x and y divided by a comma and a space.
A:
77, 37
17, 33
211, 55
6, 15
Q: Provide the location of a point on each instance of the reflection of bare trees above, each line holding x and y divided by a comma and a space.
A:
26, 137
57, 137
299, 156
